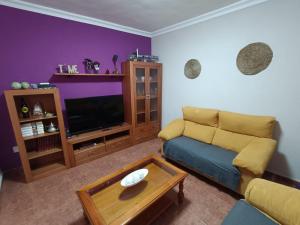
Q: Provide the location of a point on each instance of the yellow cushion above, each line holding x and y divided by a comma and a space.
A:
172, 130
199, 132
207, 117
278, 201
230, 140
259, 126
256, 155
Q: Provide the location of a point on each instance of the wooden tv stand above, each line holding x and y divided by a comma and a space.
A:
95, 144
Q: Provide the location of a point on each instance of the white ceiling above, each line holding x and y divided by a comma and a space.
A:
146, 15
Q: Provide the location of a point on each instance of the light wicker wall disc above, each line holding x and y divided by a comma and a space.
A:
192, 68
254, 58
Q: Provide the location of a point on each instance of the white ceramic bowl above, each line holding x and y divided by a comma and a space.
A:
134, 178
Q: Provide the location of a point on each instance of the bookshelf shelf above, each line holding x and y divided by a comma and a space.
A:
38, 154
41, 136
38, 118
48, 170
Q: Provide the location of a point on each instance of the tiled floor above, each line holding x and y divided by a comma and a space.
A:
52, 200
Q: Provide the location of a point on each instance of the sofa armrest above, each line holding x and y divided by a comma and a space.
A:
256, 155
278, 201
172, 130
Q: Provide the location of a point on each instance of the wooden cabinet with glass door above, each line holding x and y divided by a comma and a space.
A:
142, 87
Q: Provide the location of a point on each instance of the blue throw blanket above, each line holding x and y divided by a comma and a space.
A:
244, 214
204, 158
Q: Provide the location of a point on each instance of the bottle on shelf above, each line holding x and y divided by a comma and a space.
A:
24, 109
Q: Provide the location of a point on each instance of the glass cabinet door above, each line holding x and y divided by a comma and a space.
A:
140, 78
154, 82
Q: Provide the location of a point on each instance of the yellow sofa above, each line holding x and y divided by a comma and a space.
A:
267, 203
247, 135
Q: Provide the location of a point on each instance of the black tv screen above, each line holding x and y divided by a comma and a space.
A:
93, 113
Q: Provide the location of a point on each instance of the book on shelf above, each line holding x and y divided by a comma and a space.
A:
31, 129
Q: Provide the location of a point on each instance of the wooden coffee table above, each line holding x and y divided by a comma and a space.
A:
107, 202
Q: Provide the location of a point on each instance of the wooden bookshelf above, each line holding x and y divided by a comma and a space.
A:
44, 154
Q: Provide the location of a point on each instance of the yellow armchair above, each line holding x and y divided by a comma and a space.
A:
280, 202
256, 155
172, 130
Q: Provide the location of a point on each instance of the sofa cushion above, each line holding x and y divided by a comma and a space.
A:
172, 130
199, 132
230, 140
259, 126
244, 214
207, 117
209, 160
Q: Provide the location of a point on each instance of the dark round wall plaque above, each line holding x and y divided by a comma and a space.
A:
192, 68
254, 58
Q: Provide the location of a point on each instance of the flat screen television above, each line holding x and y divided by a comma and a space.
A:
93, 113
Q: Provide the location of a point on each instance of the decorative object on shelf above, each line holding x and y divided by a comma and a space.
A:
71, 69
16, 85
51, 128
40, 127
24, 109
45, 85
254, 58
115, 59
91, 67
96, 66
107, 71
48, 114
34, 86
26, 130
192, 68
88, 63
135, 56
25, 85
37, 109
134, 178
62, 68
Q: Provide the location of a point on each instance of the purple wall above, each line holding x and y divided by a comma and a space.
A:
31, 47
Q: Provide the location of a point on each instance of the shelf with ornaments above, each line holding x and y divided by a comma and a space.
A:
88, 75
92, 69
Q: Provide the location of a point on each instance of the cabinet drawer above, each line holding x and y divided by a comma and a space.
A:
146, 131
97, 151
118, 143
81, 154
89, 153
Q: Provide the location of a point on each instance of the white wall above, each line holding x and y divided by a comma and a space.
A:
216, 43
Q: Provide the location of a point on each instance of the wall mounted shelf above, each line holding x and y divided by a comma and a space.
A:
87, 75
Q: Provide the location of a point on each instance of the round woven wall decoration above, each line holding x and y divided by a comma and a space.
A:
192, 68
254, 58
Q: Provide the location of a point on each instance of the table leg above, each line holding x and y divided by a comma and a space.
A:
86, 218
180, 195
